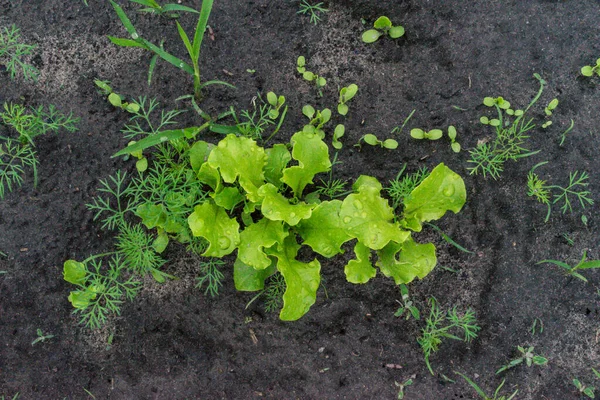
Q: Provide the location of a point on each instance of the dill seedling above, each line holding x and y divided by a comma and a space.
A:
145, 121
333, 188
438, 326
12, 52
137, 248
400, 189
273, 293
210, 275
313, 10
115, 208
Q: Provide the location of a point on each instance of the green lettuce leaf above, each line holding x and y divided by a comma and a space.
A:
312, 155
210, 176
212, 223
263, 234
228, 198
441, 191
240, 157
277, 159
152, 215
360, 269
302, 280
324, 231
199, 154
416, 260
74, 272
276, 207
249, 279
368, 217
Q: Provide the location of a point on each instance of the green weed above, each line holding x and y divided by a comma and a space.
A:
13, 51
483, 395
41, 337
572, 271
526, 356
211, 276
382, 26
313, 10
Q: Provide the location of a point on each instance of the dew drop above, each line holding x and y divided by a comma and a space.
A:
347, 220
292, 214
358, 204
134, 36
180, 65
448, 191
224, 242
164, 138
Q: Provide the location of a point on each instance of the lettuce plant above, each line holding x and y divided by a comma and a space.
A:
382, 26
257, 206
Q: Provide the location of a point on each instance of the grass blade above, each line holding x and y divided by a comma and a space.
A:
201, 27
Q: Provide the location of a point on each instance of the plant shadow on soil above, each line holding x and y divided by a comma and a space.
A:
171, 342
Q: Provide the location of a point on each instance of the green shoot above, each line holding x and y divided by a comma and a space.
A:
572, 271
193, 47
483, 395
313, 10
583, 389
168, 10
346, 94
399, 129
454, 145
438, 326
527, 356
317, 120
115, 99
402, 386
114, 209
211, 276
536, 327
309, 76
433, 134
568, 239
489, 158
564, 134
12, 52
145, 122
333, 188
448, 239
372, 140
139, 250
337, 134
590, 70
406, 305
273, 292
399, 189
382, 26
551, 107
41, 337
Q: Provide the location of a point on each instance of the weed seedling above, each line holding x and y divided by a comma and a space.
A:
12, 52
193, 47
454, 145
317, 120
583, 389
372, 140
382, 26
438, 326
536, 327
484, 396
41, 337
346, 94
337, 134
448, 239
399, 129
572, 271
564, 134
169, 10
551, 107
406, 305
309, 76
590, 70
115, 99
313, 10
402, 386
526, 356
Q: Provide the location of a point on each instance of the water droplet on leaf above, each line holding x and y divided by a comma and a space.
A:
224, 242
448, 191
134, 36
358, 204
347, 220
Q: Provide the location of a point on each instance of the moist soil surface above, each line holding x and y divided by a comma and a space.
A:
173, 342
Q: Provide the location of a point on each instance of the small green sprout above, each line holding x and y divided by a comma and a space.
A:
309, 76
402, 386
546, 124
453, 143
275, 102
536, 327
115, 99
551, 107
382, 26
337, 134
41, 337
346, 93
406, 305
484, 396
527, 356
12, 52
583, 389
583, 264
589, 70
168, 10
372, 140
318, 119
211, 276
433, 134
313, 10
564, 134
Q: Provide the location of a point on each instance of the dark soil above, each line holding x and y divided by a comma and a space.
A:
172, 342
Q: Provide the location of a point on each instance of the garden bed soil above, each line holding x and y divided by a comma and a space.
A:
172, 342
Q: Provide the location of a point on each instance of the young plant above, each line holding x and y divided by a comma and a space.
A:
590, 70
273, 293
12, 52
313, 10
454, 145
382, 26
169, 10
372, 140
41, 337
276, 102
18, 154
115, 99
332, 188
337, 135
346, 94
489, 158
254, 124
399, 189
583, 389
526, 356
484, 396
575, 191
402, 386
309, 76
439, 325
317, 120
572, 271
145, 121
192, 47
406, 305
211, 275
433, 134
551, 107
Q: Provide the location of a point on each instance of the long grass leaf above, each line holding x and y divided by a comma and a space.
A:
201, 27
